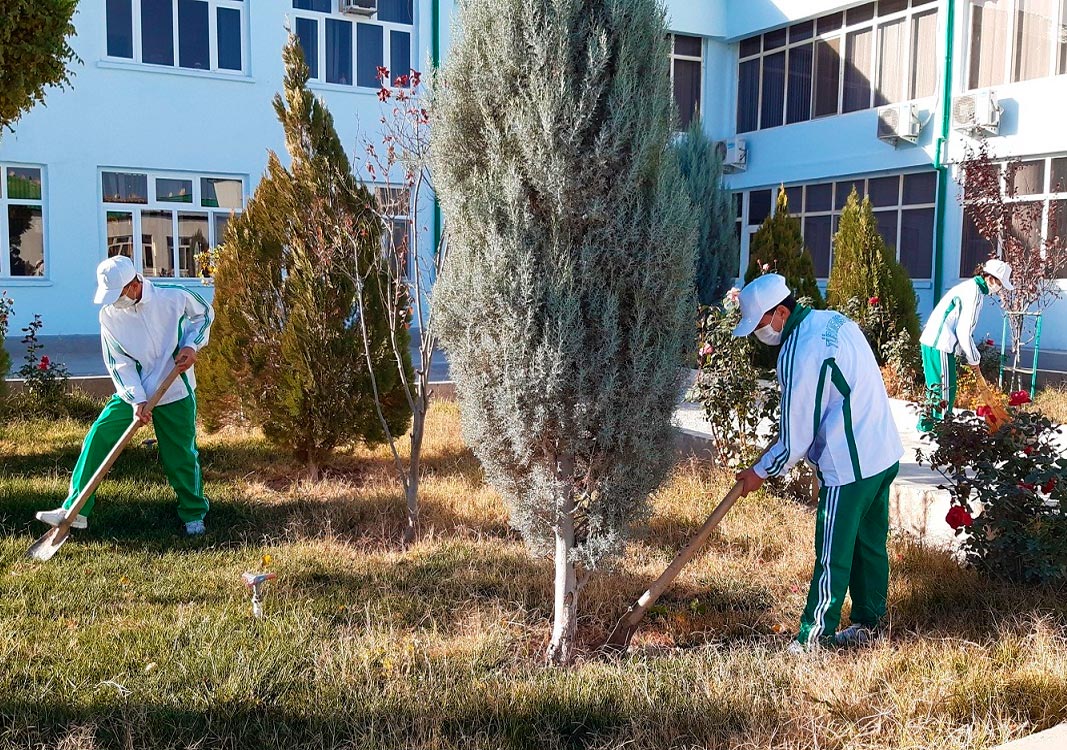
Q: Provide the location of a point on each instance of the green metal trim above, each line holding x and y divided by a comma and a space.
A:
939, 156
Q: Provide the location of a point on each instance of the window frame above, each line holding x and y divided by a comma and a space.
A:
908, 15
152, 203
1059, 22
673, 56
213, 38
388, 27
391, 218
5, 240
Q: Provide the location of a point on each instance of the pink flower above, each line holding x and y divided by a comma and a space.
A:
766, 267
989, 342
958, 516
873, 301
707, 350
1018, 398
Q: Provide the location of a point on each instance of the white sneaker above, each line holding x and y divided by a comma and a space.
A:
55, 517
194, 528
796, 648
856, 635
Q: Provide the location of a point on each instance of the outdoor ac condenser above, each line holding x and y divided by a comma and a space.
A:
359, 7
734, 154
898, 122
976, 114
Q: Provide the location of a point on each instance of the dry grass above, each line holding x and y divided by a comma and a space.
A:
1052, 401
137, 637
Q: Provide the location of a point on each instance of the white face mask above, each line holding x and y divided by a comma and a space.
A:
123, 302
768, 335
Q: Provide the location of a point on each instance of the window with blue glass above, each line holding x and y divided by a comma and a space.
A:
347, 47
209, 34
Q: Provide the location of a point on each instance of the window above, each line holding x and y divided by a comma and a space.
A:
687, 73
188, 34
163, 221
395, 206
903, 207
1016, 40
870, 55
21, 221
1038, 190
348, 52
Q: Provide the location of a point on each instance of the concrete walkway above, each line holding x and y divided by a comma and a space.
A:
1050, 739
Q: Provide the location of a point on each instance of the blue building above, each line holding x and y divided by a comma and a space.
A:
166, 129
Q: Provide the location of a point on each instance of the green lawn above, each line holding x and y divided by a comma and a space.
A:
134, 636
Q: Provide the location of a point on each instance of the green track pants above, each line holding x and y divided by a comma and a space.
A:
850, 555
939, 369
175, 425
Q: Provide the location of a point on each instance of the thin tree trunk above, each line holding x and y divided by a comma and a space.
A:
565, 608
418, 424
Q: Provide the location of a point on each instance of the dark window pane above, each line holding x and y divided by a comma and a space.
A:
1029, 177
917, 241
395, 11
774, 39
120, 28
750, 46
917, 3
974, 248
687, 90
25, 234
819, 197
119, 234
817, 233
887, 227
827, 76
885, 7
174, 191
859, 14
338, 51
798, 32
399, 53
773, 96
690, 46
748, 96
320, 6
794, 197
884, 191
125, 187
157, 32
798, 104
738, 204
24, 183
221, 222
759, 206
229, 31
307, 31
370, 54
842, 190
857, 87
193, 49
831, 22
920, 188
1059, 175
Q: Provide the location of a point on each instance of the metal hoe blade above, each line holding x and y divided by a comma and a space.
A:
49, 543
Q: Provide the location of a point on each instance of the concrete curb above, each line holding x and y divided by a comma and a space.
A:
1050, 739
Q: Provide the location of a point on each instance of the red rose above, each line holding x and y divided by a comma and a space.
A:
45, 361
958, 516
1027, 486
989, 342
1028, 450
1049, 486
984, 411
873, 301
1018, 398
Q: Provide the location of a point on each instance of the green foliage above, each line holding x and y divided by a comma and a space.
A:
6, 311
717, 251
867, 282
287, 352
34, 53
778, 247
568, 294
1010, 493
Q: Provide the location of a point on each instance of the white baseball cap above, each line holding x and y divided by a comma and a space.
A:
1001, 271
760, 295
111, 276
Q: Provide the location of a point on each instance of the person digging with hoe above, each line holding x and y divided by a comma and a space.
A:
146, 330
835, 412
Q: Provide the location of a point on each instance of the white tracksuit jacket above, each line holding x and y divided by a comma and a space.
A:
141, 342
834, 409
951, 324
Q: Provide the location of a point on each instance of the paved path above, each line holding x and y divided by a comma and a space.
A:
1050, 739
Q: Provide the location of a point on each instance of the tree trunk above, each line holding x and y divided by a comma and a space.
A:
418, 424
565, 608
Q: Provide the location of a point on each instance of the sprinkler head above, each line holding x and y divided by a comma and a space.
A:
256, 582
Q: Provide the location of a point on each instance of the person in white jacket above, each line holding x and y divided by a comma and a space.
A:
145, 330
834, 412
950, 332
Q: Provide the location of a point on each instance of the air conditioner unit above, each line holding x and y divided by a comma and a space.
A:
359, 7
898, 122
734, 154
976, 114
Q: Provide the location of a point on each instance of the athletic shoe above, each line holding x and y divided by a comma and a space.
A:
55, 517
796, 648
856, 636
194, 528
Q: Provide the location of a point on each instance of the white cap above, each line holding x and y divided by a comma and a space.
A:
1000, 270
760, 295
111, 276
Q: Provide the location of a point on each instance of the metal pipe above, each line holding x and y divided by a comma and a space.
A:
940, 152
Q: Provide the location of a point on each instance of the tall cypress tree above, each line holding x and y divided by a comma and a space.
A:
779, 245
286, 341
569, 289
